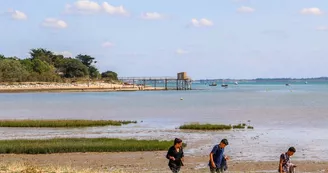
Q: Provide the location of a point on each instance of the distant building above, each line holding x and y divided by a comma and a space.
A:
183, 76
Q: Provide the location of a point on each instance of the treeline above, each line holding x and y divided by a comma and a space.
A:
45, 66
290, 79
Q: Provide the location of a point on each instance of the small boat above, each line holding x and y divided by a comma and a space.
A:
224, 85
213, 84
305, 82
287, 84
236, 83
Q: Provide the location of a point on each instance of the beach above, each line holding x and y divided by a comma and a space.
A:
148, 162
72, 87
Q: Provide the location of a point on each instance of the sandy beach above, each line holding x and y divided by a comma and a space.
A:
71, 87
137, 162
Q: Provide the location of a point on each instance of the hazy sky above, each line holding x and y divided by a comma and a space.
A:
207, 38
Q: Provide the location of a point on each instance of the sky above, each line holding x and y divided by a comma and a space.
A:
239, 39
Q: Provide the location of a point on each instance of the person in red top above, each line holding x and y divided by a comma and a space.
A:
175, 156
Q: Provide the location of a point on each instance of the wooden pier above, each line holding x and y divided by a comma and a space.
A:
181, 82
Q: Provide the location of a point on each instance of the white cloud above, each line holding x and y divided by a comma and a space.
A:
54, 23
181, 51
322, 28
92, 7
83, 6
202, 22
110, 9
152, 16
245, 9
65, 53
107, 44
313, 10
17, 15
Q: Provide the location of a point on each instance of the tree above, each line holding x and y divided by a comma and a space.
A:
57, 60
27, 64
93, 72
43, 55
12, 71
44, 65
87, 60
73, 68
41, 67
109, 75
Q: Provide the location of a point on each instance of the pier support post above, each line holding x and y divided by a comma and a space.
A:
165, 84
144, 83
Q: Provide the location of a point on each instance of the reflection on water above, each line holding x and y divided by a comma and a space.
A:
282, 117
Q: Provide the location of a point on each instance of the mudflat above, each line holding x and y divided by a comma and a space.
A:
135, 162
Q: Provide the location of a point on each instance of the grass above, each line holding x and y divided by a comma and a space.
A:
250, 127
239, 126
242, 126
61, 123
205, 127
197, 126
71, 145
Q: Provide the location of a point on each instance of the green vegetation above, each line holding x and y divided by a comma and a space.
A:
109, 75
70, 145
61, 123
239, 126
250, 127
205, 127
197, 126
46, 66
242, 126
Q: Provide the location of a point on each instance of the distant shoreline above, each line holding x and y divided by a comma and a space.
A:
72, 87
56, 90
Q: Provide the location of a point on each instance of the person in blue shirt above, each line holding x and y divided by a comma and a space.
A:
218, 161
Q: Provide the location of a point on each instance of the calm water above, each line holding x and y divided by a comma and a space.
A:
282, 116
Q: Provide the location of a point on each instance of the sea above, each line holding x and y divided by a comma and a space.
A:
282, 116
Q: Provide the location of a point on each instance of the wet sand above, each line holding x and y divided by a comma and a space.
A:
135, 162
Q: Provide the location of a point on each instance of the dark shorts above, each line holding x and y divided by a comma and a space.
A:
175, 169
216, 170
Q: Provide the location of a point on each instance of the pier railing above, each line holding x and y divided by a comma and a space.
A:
165, 82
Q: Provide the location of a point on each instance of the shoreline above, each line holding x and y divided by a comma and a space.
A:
60, 90
148, 162
74, 87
